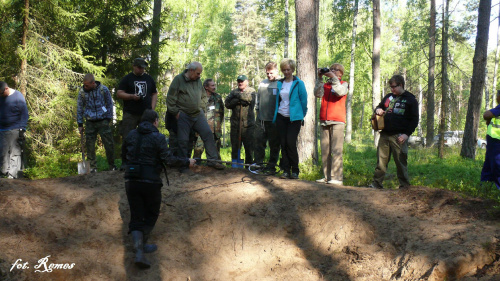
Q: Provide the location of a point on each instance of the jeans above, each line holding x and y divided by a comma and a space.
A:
288, 132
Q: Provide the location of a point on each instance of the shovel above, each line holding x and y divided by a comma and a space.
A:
84, 166
238, 161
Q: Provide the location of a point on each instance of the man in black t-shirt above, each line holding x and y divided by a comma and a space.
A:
138, 92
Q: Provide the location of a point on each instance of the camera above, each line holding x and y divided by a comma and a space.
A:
324, 70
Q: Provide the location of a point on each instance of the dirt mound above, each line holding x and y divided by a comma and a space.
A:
233, 225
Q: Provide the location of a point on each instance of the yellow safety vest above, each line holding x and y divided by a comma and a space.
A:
494, 128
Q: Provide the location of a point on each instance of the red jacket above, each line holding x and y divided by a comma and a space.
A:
332, 106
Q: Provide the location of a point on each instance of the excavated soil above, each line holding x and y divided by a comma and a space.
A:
233, 225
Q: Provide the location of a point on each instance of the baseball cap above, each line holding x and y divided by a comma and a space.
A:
140, 62
242, 78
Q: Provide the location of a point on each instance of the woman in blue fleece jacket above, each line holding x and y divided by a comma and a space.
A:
291, 107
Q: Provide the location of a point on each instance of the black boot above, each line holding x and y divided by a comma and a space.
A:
149, 248
140, 261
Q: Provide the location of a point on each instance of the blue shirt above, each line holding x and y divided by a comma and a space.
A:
13, 112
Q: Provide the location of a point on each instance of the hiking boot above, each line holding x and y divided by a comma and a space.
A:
140, 261
285, 175
113, 168
323, 180
216, 165
93, 170
294, 176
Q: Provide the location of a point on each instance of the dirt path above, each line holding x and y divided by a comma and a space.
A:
233, 225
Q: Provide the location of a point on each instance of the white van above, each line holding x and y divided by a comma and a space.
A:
451, 138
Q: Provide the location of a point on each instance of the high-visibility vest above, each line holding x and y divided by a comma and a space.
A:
494, 128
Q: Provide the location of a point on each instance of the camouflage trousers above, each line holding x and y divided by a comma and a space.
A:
10, 153
199, 147
103, 128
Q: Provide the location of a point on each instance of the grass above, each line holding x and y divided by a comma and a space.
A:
424, 167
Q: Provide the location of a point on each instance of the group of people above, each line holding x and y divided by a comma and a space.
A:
273, 115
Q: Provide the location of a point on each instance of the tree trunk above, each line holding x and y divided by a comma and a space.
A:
307, 12
486, 91
495, 72
420, 103
287, 30
24, 61
444, 80
477, 84
376, 60
348, 132
431, 75
155, 41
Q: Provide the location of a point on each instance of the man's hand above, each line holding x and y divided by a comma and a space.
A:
80, 129
136, 97
379, 111
192, 162
402, 138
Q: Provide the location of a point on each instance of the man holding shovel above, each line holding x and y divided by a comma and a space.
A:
95, 105
242, 103
13, 121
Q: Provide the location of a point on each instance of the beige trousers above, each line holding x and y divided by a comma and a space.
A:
332, 145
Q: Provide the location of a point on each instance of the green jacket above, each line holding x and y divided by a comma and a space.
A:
244, 100
185, 95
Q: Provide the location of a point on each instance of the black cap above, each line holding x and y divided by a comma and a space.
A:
140, 62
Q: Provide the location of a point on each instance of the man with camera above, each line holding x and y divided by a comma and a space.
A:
332, 116
138, 92
13, 121
400, 111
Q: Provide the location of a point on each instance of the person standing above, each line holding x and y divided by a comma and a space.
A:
184, 111
400, 111
95, 107
138, 92
491, 166
146, 152
332, 116
214, 113
265, 129
291, 108
13, 121
242, 103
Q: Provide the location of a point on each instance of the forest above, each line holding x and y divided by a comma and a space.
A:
439, 47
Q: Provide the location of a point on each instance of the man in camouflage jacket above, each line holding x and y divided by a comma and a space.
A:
214, 112
242, 101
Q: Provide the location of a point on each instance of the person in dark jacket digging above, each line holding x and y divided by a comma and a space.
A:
145, 150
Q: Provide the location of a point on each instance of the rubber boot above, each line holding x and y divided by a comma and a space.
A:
149, 248
140, 261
